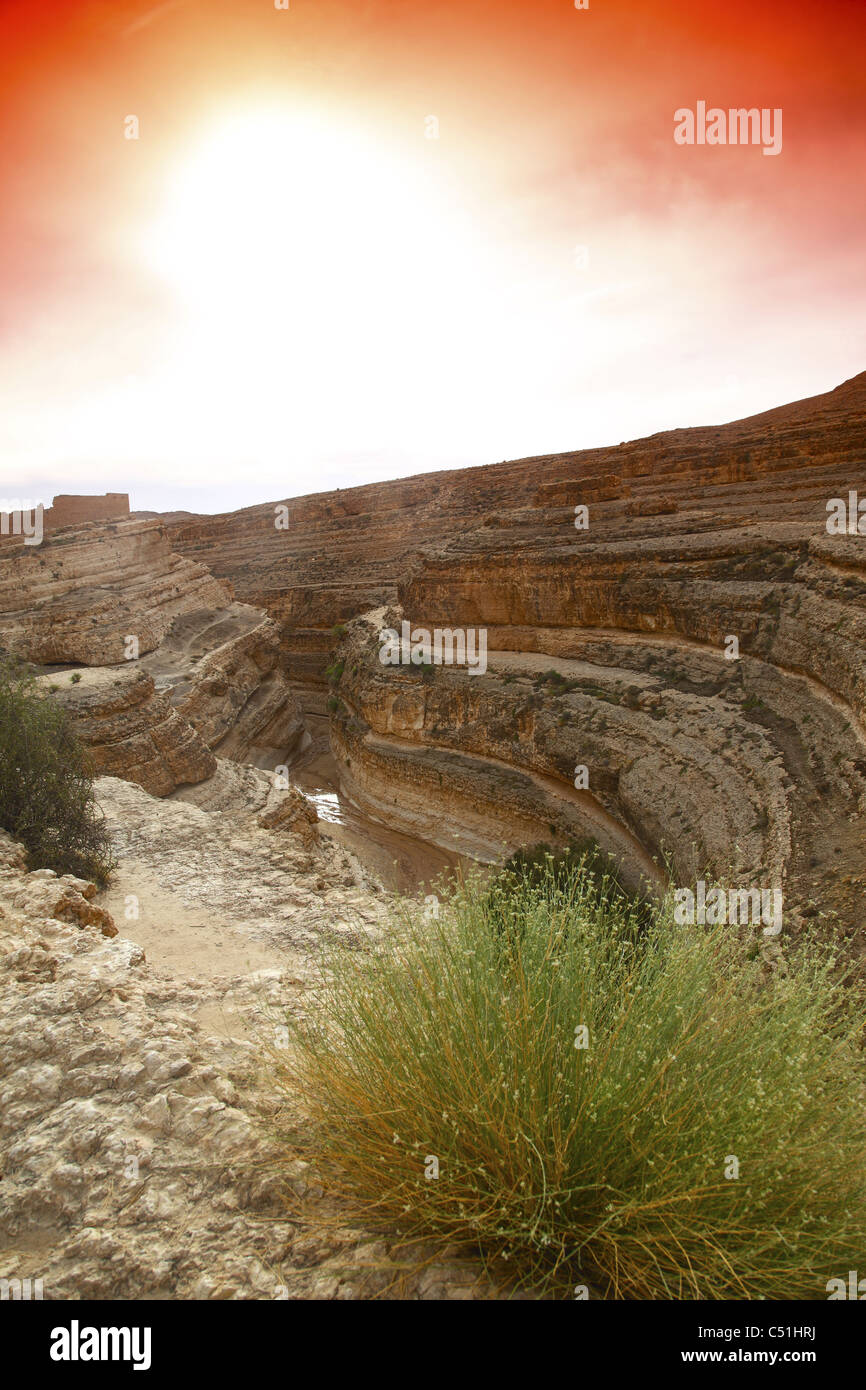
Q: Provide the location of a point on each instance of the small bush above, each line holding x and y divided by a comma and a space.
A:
540, 866
458, 1039
46, 784
334, 672
75, 677
560, 684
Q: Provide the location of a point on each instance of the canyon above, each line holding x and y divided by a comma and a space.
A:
675, 669
609, 647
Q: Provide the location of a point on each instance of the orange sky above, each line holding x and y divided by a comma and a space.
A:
283, 285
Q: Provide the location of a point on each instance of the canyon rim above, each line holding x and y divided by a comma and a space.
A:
225, 675
432, 673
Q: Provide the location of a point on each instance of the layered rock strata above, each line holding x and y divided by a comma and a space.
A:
171, 670
701, 622
222, 670
131, 730
345, 552
80, 596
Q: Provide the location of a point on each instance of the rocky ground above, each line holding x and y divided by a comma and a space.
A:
137, 1030
135, 1103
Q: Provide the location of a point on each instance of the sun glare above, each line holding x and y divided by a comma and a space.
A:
289, 203
310, 260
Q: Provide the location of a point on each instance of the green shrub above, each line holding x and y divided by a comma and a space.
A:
457, 1039
46, 784
334, 672
561, 684
75, 677
541, 866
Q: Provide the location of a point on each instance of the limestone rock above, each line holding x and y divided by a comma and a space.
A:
755, 764
171, 669
289, 810
136, 1101
89, 588
131, 730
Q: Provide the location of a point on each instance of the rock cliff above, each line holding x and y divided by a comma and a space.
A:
81, 595
171, 670
673, 615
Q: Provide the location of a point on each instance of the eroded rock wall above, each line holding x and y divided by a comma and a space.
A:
343, 553
81, 595
131, 730
170, 670
703, 632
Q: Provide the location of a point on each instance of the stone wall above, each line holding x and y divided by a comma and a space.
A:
69, 510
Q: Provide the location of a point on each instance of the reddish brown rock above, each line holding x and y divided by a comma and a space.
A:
131, 730
695, 536
87, 590
76, 907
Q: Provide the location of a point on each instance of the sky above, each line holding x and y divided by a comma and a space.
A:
250, 253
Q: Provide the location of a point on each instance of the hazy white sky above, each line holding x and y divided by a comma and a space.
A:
284, 285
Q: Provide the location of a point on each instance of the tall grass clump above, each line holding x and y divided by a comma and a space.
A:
46, 785
587, 1078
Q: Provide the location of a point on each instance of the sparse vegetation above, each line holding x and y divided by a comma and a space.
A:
46, 784
453, 1098
559, 683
